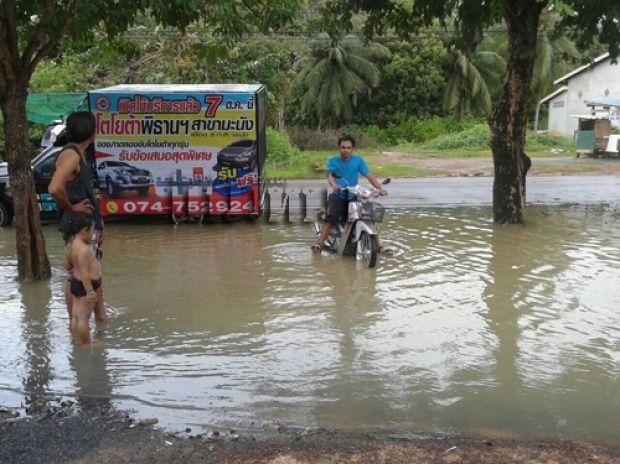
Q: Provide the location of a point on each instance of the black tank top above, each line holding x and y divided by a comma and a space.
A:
81, 188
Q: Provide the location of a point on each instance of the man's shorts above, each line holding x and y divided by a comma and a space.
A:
337, 209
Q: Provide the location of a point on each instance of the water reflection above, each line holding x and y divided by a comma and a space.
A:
36, 336
468, 328
93, 386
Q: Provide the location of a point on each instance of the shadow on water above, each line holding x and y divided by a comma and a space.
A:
469, 328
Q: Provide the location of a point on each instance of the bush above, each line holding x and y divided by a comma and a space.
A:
540, 142
422, 130
365, 137
280, 152
312, 140
473, 139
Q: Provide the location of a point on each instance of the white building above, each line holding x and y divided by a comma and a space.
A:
592, 88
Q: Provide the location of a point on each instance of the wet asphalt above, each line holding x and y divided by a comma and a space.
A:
308, 195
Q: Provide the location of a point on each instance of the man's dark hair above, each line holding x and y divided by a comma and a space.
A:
80, 126
346, 138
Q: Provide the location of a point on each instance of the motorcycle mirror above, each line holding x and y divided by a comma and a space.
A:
386, 181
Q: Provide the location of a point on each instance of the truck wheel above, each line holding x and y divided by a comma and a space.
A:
367, 249
6, 215
142, 190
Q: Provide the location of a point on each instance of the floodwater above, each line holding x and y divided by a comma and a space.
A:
470, 328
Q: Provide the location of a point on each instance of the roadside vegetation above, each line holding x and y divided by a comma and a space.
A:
286, 160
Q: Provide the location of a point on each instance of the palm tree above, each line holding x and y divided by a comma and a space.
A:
339, 72
473, 74
550, 56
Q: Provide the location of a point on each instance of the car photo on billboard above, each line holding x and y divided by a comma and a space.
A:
117, 176
242, 154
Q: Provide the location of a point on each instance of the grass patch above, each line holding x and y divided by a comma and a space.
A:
398, 171
306, 165
472, 143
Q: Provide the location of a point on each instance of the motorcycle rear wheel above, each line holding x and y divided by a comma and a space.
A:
367, 249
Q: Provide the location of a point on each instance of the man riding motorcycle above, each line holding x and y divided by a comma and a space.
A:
348, 166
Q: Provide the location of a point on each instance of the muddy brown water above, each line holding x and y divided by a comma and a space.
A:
469, 328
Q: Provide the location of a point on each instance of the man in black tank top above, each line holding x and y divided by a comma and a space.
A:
72, 187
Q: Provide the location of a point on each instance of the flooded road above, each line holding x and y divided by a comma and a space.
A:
469, 328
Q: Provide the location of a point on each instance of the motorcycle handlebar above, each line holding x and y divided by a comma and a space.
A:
364, 192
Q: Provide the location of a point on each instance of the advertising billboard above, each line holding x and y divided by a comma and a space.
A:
179, 149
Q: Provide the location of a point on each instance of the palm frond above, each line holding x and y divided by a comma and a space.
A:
337, 75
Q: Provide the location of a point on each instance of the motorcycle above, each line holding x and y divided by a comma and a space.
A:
357, 236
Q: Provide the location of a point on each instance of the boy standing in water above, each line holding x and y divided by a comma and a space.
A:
86, 277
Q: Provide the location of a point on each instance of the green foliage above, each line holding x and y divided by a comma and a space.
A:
553, 54
35, 133
340, 73
413, 130
280, 152
473, 139
268, 61
423, 130
365, 137
594, 20
411, 83
389, 135
545, 143
309, 139
476, 138
307, 165
467, 89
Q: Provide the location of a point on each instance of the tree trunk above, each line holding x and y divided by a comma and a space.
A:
32, 260
509, 119
535, 127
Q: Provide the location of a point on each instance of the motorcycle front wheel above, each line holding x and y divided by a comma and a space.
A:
367, 249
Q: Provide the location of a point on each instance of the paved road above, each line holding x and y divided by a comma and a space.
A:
453, 191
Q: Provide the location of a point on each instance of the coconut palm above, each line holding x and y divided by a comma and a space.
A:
467, 89
551, 52
337, 75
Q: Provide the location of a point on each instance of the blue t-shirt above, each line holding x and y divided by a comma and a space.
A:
348, 170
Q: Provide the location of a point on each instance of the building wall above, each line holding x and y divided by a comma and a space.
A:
558, 113
598, 82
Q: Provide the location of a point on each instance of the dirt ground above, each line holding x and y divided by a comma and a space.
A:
460, 167
101, 435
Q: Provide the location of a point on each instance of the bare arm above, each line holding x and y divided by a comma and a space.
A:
332, 183
67, 169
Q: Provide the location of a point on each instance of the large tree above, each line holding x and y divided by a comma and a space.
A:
591, 18
32, 29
